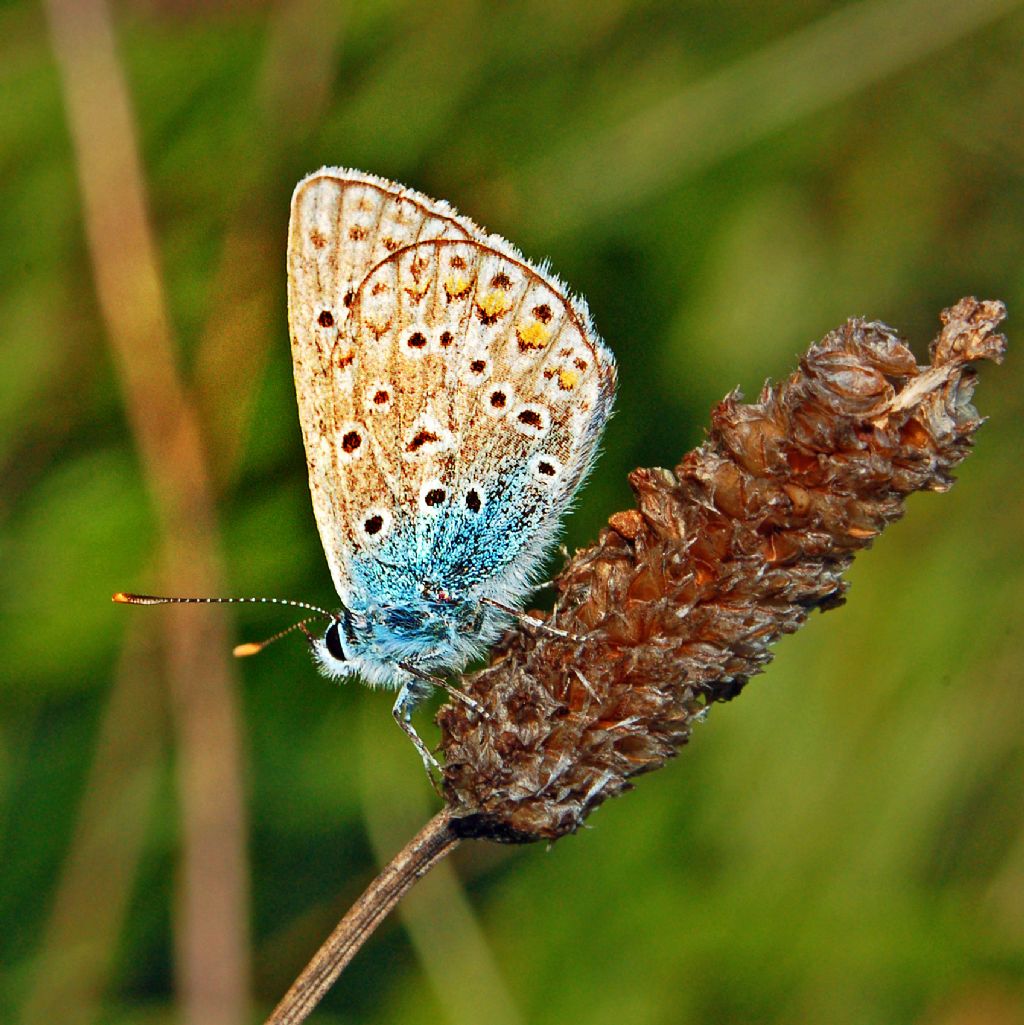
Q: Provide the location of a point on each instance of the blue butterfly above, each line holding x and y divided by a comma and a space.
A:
451, 395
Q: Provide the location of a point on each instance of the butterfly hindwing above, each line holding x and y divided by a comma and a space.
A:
477, 389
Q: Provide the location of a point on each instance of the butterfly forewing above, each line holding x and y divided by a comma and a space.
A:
454, 403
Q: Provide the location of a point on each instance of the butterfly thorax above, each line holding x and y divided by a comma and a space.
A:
430, 634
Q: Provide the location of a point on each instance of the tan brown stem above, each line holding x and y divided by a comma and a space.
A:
414, 860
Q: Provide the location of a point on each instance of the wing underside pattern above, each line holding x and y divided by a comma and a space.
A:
451, 394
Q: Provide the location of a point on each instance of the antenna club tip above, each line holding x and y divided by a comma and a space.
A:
121, 598
249, 648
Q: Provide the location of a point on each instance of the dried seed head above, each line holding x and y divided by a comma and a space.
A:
676, 605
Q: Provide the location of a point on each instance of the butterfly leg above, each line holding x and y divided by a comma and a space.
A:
408, 697
525, 617
437, 681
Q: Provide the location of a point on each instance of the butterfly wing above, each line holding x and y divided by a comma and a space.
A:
343, 223
469, 409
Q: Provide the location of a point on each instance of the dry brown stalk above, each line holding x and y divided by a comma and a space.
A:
415, 859
677, 604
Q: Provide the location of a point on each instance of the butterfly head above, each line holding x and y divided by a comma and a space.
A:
351, 646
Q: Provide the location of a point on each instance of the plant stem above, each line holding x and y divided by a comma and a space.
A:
414, 860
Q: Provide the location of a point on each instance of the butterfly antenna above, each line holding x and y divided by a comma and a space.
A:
124, 598
255, 647
240, 650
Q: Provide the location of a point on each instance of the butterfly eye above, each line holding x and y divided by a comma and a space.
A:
333, 641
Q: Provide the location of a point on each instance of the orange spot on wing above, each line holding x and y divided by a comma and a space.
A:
492, 306
456, 286
532, 336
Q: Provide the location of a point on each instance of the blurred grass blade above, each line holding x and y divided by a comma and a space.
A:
729, 110
212, 935
291, 97
82, 934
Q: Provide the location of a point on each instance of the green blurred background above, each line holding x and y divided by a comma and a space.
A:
725, 183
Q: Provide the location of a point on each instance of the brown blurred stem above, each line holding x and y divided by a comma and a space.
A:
414, 860
212, 913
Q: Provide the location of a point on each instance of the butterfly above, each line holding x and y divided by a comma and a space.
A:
451, 395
